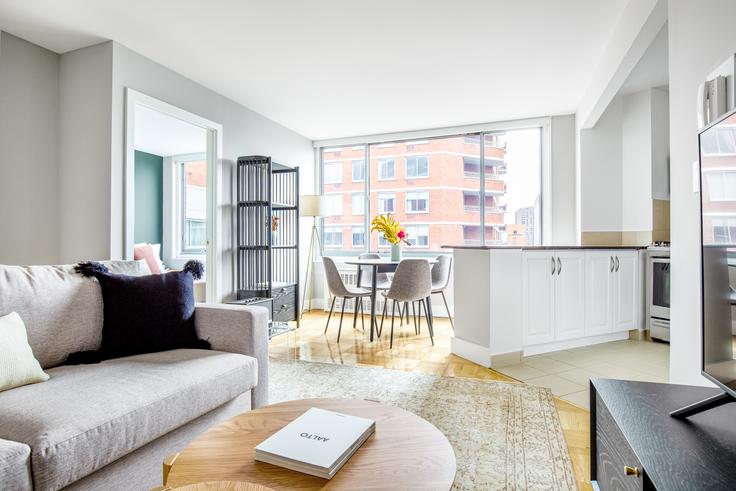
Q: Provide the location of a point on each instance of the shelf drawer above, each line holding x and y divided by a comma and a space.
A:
284, 304
613, 454
283, 291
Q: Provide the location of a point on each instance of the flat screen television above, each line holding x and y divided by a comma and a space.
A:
717, 147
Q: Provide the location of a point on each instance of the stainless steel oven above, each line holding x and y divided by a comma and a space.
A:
659, 294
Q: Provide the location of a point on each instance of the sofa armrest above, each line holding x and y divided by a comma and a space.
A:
15, 465
238, 329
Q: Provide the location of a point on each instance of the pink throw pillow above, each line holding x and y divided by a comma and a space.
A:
145, 251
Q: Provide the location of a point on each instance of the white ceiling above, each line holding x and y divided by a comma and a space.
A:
164, 135
333, 68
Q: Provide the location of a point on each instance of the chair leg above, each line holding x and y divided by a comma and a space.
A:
406, 311
342, 314
429, 323
393, 317
330, 314
362, 314
383, 316
355, 313
449, 315
414, 316
419, 317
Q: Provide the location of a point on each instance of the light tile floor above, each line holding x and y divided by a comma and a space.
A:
567, 372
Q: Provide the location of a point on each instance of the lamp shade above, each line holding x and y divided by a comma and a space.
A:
310, 205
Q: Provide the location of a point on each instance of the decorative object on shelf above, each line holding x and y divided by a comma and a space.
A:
310, 205
268, 235
392, 232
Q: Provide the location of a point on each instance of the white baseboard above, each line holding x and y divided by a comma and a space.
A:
471, 351
575, 343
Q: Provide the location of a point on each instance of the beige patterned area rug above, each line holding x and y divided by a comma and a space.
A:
505, 435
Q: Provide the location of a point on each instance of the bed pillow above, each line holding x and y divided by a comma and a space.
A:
18, 366
144, 314
146, 251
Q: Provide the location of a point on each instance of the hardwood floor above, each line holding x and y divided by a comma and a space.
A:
415, 353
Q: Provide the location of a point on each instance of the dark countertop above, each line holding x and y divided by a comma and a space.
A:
539, 248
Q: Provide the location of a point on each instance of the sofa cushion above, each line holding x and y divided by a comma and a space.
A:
87, 416
62, 311
15, 466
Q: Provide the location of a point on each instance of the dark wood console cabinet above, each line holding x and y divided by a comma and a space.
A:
635, 444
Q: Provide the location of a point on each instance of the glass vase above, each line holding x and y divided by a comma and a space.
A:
396, 252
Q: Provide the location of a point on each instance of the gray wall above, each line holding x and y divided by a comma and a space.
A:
701, 36
244, 132
29, 108
85, 88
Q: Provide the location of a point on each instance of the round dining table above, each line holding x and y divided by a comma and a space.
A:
383, 265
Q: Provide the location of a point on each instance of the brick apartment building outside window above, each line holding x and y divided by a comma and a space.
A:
432, 187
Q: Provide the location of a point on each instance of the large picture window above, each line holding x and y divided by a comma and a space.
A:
443, 190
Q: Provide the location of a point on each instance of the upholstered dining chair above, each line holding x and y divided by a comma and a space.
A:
412, 282
338, 289
441, 278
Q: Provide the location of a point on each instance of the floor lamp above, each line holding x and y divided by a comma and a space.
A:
310, 205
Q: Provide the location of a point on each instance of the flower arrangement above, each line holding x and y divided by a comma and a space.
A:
390, 228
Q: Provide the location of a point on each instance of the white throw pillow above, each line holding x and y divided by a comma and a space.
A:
18, 366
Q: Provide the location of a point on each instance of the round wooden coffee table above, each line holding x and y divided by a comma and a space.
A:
405, 452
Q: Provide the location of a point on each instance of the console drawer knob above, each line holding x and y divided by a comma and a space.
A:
631, 471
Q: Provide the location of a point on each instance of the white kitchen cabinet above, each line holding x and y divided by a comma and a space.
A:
537, 296
569, 295
611, 291
626, 290
553, 295
598, 292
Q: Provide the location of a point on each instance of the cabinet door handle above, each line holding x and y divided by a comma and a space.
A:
617, 264
611, 269
559, 267
553, 265
631, 471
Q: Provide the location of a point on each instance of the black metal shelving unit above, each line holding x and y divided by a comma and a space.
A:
267, 259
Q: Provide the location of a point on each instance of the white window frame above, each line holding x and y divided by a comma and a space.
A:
338, 201
353, 229
406, 167
408, 198
336, 163
414, 226
352, 170
382, 197
331, 229
721, 176
361, 200
182, 250
383, 160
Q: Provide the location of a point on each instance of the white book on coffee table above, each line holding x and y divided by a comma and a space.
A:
318, 442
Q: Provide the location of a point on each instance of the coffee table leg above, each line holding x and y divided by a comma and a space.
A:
168, 464
373, 299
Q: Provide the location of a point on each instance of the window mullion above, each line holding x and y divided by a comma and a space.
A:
482, 197
367, 197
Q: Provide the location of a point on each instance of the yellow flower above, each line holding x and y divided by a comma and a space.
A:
386, 225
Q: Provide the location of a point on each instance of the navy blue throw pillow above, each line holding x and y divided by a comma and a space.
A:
143, 314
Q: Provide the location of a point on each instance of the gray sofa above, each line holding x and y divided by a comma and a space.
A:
110, 425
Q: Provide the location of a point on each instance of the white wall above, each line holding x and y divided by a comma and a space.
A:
660, 143
701, 36
563, 180
28, 146
636, 158
600, 172
85, 84
244, 133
